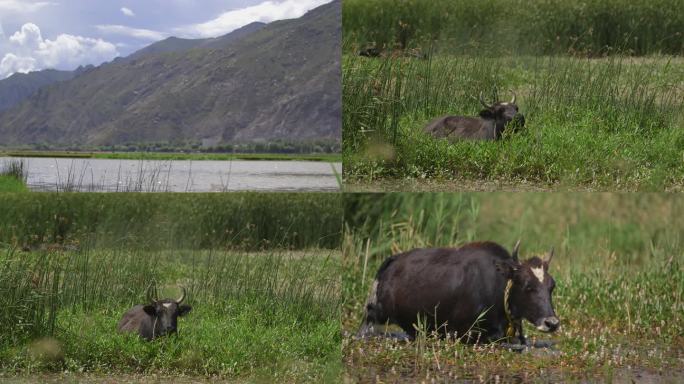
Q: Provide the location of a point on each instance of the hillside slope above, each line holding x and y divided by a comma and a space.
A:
282, 81
20, 86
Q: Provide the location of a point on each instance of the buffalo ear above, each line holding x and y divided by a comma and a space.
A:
150, 310
184, 309
487, 113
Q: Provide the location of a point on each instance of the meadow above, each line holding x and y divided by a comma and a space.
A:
600, 84
263, 283
618, 266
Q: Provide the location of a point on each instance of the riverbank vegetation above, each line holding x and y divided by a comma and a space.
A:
13, 175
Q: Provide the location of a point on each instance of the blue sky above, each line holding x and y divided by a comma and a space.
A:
63, 34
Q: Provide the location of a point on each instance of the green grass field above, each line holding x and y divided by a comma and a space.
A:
262, 274
598, 124
619, 271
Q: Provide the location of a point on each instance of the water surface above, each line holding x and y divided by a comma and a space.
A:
109, 175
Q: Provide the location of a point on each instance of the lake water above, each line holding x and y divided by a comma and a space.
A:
105, 175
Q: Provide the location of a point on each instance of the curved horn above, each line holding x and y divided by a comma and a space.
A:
483, 102
150, 298
514, 254
180, 299
549, 256
513, 99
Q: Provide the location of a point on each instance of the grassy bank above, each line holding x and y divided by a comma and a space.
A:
619, 270
166, 220
13, 176
11, 184
271, 315
602, 124
502, 27
196, 156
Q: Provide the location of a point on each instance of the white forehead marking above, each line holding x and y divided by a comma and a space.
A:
167, 305
504, 103
539, 273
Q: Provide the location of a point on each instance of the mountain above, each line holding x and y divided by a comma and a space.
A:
279, 81
176, 44
20, 86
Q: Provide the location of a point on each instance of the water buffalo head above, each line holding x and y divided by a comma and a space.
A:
165, 312
530, 296
503, 113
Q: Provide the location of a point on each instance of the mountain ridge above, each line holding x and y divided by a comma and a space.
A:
279, 81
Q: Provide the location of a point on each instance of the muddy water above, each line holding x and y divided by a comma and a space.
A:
105, 175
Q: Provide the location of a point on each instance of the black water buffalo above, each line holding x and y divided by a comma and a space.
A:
489, 125
478, 292
158, 318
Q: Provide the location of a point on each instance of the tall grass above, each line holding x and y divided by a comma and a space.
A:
15, 168
266, 313
13, 176
262, 273
618, 266
236, 220
610, 123
504, 27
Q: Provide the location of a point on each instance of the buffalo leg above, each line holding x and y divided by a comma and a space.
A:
519, 331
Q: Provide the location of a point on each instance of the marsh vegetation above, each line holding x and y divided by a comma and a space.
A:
601, 90
261, 276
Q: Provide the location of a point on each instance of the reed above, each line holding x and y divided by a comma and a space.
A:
503, 27
243, 220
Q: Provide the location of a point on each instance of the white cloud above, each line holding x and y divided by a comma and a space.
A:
23, 6
28, 51
28, 36
127, 11
12, 63
265, 12
145, 34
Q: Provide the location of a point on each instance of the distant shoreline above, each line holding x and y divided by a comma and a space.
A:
323, 157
